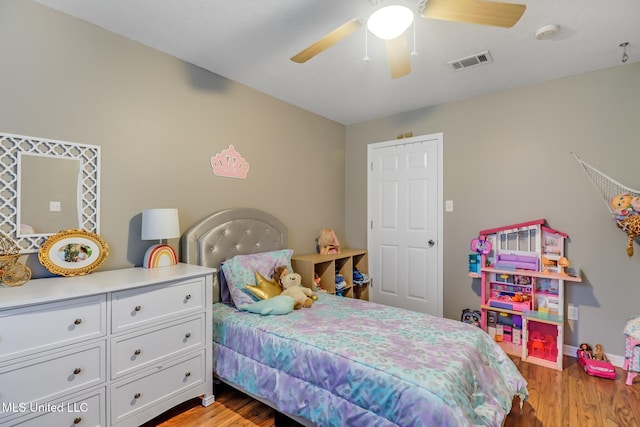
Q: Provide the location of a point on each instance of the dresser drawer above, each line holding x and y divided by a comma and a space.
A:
139, 350
85, 411
130, 397
41, 327
155, 303
53, 375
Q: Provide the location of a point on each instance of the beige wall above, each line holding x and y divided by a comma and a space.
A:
507, 160
159, 121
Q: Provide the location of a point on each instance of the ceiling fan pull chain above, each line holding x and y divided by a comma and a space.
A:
366, 45
414, 52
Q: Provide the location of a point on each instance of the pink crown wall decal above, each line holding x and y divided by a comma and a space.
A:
230, 163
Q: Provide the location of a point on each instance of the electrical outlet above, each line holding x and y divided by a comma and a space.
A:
572, 312
54, 207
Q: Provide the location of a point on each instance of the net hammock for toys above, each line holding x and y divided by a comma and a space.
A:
608, 189
606, 186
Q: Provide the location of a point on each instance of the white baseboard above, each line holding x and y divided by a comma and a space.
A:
569, 350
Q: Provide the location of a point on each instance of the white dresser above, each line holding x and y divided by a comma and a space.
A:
111, 348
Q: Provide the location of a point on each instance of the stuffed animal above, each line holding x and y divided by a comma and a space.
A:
621, 201
631, 226
621, 205
327, 242
291, 284
280, 304
264, 288
471, 317
626, 210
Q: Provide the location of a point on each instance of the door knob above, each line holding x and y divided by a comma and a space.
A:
431, 243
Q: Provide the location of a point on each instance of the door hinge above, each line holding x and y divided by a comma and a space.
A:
371, 224
371, 166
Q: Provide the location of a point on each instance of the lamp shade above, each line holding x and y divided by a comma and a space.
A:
158, 224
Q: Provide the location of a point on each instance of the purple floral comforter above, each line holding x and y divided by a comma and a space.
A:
347, 362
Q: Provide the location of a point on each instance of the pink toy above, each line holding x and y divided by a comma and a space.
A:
481, 246
631, 359
542, 341
536, 344
594, 367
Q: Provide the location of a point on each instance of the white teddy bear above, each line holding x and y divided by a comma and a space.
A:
291, 284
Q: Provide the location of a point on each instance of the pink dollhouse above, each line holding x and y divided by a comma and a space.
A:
522, 293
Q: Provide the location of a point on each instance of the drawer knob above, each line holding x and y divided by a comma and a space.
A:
77, 321
138, 308
137, 396
187, 374
188, 296
137, 352
187, 335
77, 420
77, 371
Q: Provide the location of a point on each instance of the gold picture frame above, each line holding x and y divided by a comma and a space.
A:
73, 252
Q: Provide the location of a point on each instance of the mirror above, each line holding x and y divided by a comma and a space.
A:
48, 194
35, 172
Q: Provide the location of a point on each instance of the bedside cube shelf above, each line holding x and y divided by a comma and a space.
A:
331, 266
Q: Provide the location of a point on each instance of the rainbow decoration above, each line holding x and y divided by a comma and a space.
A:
160, 255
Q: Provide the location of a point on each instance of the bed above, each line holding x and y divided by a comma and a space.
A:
346, 361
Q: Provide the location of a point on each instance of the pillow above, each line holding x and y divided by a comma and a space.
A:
264, 288
280, 304
241, 270
225, 295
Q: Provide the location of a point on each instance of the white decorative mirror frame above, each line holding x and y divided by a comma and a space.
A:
11, 149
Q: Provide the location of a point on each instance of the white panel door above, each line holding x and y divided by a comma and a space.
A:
405, 223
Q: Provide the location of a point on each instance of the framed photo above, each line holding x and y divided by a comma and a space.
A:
73, 252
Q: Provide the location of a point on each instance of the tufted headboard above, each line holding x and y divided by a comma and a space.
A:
231, 232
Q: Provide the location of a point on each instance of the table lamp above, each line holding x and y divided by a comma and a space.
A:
160, 224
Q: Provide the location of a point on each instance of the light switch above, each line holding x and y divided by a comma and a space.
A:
54, 207
448, 206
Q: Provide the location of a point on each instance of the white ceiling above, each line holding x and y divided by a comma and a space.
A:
251, 41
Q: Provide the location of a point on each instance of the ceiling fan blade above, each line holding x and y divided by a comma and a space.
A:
398, 55
496, 14
327, 41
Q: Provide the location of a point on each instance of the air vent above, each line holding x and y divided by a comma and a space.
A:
471, 61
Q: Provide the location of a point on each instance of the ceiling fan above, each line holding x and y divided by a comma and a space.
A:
391, 21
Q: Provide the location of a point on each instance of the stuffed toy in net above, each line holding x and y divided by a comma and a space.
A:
621, 201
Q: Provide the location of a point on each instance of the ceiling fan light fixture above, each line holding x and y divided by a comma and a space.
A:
390, 22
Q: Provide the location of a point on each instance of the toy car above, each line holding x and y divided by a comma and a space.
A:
592, 366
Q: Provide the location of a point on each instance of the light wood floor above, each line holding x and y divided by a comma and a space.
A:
567, 398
